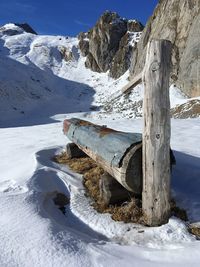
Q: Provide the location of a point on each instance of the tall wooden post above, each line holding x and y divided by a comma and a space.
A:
156, 133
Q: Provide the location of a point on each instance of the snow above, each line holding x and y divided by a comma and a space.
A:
134, 37
176, 96
34, 232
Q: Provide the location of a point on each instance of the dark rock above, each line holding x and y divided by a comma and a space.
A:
61, 200
121, 61
9, 32
82, 35
134, 26
84, 47
104, 41
91, 63
73, 151
25, 27
83, 43
108, 46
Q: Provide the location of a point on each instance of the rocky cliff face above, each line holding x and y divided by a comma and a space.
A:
179, 22
107, 45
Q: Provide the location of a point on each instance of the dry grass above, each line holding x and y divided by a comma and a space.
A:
79, 165
130, 211
195, 230
91, 182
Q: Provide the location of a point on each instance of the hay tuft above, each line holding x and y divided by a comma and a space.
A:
195, 230
130, 211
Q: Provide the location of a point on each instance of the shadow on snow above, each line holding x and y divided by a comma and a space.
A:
186, 184
42, 95
44, 183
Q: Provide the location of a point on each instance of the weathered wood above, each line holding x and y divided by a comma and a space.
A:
156, 134
111, 191
118, 153
73, 151
135, 81
105, 142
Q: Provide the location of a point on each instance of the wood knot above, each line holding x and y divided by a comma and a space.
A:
157, 136
155, 66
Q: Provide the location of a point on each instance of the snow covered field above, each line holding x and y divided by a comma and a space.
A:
34, 232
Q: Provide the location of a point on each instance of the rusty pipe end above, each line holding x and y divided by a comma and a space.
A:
66, 125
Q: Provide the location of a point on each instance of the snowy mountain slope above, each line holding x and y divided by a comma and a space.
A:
34, 72
41, 73
26, 89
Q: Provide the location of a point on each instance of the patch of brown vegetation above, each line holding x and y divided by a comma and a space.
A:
195, 230
190, 109
79, 165
130, 211
91, 182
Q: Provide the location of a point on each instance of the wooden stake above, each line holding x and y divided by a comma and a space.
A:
156, 133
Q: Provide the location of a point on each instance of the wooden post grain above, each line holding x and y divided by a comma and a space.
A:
156, 133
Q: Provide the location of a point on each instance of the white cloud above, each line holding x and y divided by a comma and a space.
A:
81, 23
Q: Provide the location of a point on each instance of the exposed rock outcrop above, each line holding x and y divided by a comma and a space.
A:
108, 44
190, 109
26, 27
105, 38
179, 22
134, 26
66, 53
83, 43
122, 59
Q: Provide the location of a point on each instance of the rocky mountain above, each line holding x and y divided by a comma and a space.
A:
179, 22
26, 27
16, 28
41, 73
108, 45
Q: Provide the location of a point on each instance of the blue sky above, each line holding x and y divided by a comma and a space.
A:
69, 17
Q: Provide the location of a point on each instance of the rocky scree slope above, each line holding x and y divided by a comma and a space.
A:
109, 44
179, 22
